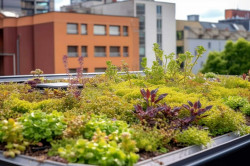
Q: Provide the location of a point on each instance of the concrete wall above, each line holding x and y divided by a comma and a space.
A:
191, 45
125, 8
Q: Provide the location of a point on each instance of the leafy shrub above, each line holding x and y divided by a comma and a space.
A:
105, 125
101, 151
11, 133
151, 139
193, 136
235, 102
246, 109
222, 120
210, 75
38, 126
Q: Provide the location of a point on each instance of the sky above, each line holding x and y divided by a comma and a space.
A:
209, 10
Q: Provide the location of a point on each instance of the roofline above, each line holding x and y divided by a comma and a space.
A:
237, 10
61, 12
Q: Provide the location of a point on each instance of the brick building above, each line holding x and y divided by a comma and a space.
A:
42, 40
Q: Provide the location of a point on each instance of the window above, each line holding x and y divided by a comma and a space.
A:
100, 69
85, 70
159, 25
114, 30
142, 51
100, 51
72, 51
84, 29
159, 39
114, 51
140, 9
209, 45
99, 29
125, 51
180, 49
84, 51
72, 28
179, 35
201, 63
72, 70
125, 30
158, 11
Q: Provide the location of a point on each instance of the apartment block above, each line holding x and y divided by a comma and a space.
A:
27, 7
212, 36
241, 17
156, 21
41, 41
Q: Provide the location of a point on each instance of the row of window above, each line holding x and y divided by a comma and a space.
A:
85, 70
100, 51
72, 28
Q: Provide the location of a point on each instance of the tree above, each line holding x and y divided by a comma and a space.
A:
234, 60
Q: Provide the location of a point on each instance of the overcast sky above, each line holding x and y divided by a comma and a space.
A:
209, 10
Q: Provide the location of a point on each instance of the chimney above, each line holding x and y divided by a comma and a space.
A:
193, 17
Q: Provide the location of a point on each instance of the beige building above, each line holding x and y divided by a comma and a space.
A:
212, 36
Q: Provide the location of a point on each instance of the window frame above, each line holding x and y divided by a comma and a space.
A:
119, 51
105, 27
86, 29
119, 30
75, 52
77, 31
85, 52
104, 52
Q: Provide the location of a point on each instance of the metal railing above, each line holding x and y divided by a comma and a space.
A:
23, 78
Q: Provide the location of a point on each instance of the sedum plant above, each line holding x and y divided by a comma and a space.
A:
246, 109
39, 126
193, 136
235, 102
101, 151
111, 127
11, 135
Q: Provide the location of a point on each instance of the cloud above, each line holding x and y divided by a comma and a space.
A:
59, 3
213, 13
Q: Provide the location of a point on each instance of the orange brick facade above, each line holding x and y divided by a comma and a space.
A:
42, 40
231, 13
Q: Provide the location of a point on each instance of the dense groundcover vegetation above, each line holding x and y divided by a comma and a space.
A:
116, 118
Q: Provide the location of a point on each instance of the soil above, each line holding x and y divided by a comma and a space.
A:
248, 120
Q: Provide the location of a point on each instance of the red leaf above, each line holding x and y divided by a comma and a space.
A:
208, 107
195, 105
199, 104
148, 94
186, 106
143, 92
153, 97
161, 97
190, 103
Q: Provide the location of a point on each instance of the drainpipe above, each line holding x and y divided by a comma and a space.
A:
18, 54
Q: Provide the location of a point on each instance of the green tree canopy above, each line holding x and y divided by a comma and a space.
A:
234, 59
